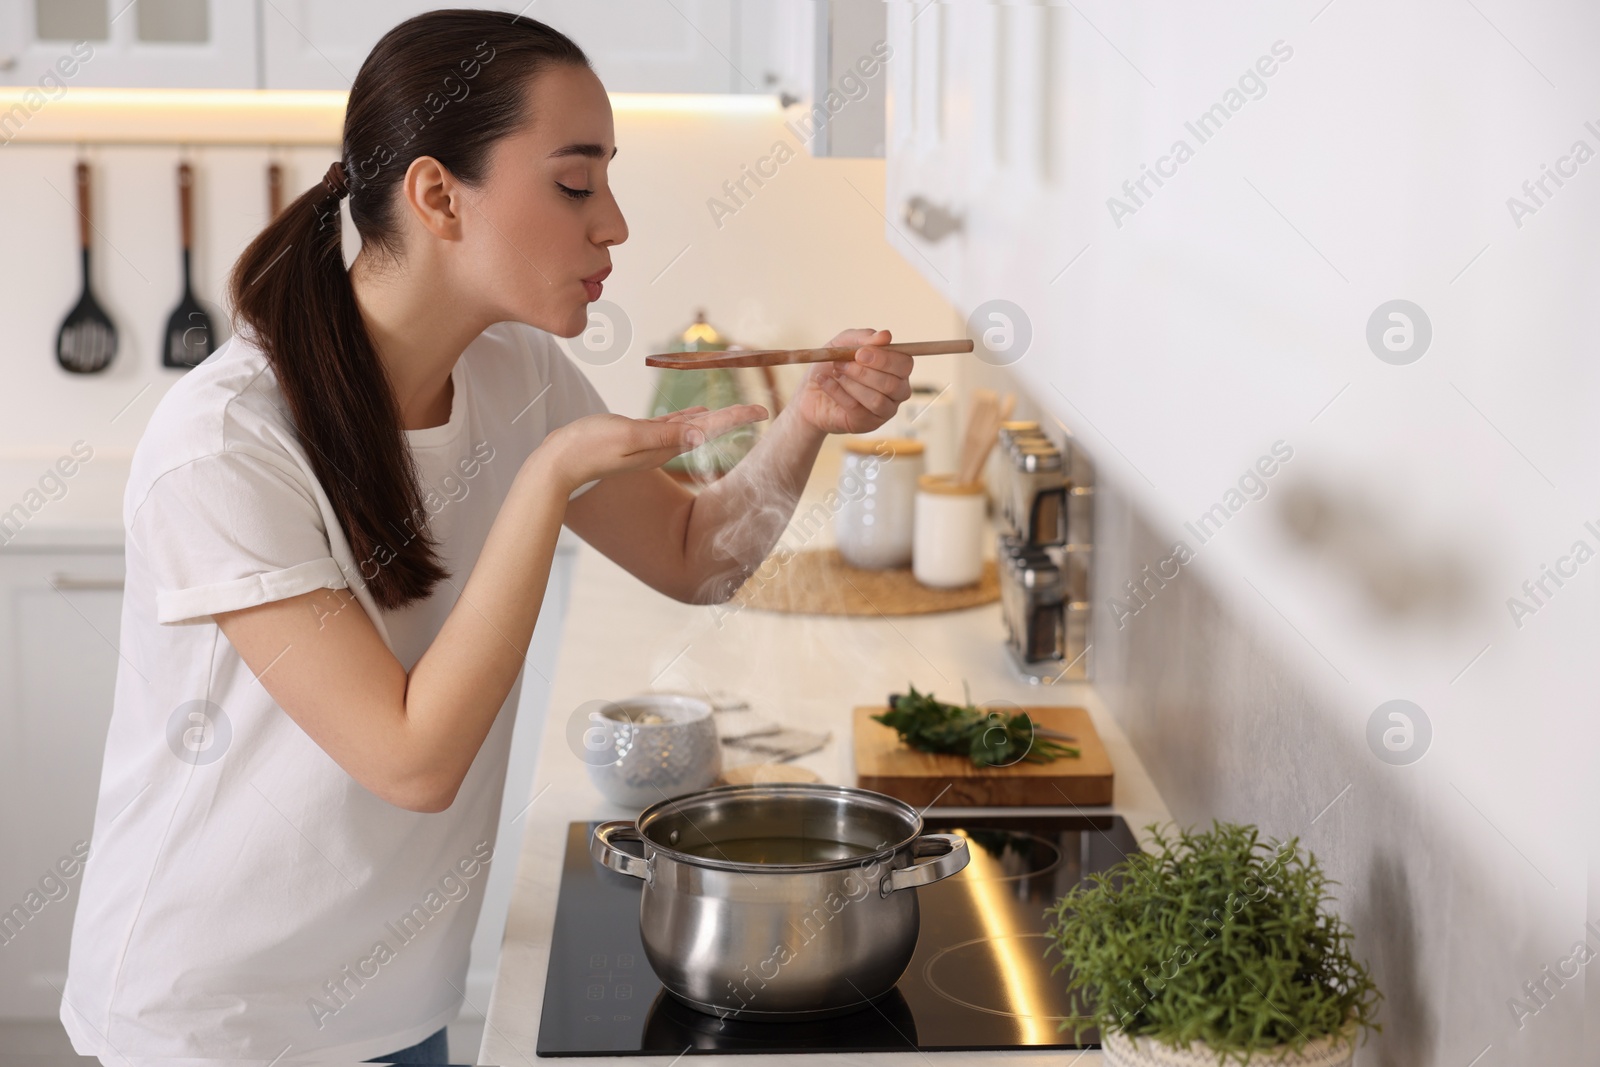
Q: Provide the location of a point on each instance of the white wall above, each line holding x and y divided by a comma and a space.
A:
1228, 312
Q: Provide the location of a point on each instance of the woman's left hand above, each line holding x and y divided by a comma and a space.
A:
859, 395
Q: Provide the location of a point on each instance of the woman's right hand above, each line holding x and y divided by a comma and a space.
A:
598, 446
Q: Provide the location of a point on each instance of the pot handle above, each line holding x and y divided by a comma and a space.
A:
951, 855
610, 856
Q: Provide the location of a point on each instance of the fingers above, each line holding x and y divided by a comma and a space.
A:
660, 440
829, 369
844, 390
654, 441
895, 387
684, 413
889, 360
716, 423
848, 338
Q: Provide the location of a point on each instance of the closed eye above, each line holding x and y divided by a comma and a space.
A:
575, 194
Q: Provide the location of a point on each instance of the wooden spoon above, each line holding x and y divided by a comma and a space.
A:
983, 429
775, 357
983, 421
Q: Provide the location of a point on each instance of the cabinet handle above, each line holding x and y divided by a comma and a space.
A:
929, 221
62, 580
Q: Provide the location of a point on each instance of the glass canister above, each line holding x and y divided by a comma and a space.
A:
873, 527
929, 416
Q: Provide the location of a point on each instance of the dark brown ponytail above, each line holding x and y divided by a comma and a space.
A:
446, 84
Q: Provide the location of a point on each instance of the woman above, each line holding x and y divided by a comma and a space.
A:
339, 530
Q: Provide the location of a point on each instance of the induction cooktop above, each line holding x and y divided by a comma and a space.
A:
980, 979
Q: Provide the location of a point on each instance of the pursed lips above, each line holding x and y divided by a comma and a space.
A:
592, 285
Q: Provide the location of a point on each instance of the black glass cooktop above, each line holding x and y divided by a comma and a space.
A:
979, 979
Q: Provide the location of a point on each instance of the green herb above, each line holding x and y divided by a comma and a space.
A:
1217, 937
988, 737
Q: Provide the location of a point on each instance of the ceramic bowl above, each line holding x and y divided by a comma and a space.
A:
665, 745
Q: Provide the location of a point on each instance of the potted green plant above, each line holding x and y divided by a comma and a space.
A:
1213, 947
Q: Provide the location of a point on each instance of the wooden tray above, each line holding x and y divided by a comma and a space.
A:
885, 764
819, 582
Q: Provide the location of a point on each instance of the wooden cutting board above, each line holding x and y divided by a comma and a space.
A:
885, 764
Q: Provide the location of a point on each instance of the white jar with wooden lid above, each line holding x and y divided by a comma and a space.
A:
947, 543
877, 501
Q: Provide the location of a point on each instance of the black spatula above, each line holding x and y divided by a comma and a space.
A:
190, 337
87, 340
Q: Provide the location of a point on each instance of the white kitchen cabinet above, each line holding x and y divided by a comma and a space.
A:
532, 710
829, 58
151, 44
656, 46
60, 618
775, 46
662, 46
927, 171
976, 121
320, 44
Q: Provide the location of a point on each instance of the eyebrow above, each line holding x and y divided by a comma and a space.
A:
592, 151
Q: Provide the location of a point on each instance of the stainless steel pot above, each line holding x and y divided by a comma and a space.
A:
825, 921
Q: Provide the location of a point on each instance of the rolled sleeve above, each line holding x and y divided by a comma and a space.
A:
230, 531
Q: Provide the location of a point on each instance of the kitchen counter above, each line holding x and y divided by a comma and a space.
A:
622, 638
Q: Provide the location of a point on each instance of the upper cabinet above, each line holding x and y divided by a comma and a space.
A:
929, 142
970, 135
59, 44
840, 61
659, 46
643, 46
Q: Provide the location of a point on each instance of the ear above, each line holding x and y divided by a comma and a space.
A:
434, 197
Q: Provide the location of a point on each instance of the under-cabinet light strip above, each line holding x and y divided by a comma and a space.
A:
248, 116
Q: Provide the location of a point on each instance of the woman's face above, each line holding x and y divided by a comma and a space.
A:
545, 216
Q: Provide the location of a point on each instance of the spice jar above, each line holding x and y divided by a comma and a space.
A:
1039, 493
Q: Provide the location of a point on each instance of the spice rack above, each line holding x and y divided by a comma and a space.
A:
1045, 552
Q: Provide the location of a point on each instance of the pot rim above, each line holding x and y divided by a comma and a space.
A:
879, 800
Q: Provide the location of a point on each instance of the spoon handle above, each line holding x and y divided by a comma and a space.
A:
185, 203
773, 357
83, 205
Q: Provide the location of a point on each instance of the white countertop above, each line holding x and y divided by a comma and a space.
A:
621, 638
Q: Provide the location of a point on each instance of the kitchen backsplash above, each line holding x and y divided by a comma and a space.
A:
1231, 725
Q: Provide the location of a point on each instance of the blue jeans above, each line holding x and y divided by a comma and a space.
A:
432, 1049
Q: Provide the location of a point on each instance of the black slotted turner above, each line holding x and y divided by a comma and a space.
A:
190, 337
88, 339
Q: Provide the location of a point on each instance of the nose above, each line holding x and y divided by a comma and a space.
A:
610, 228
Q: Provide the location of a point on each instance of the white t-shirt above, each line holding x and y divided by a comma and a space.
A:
245, 898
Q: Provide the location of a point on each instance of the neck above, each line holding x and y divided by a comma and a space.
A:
419, 332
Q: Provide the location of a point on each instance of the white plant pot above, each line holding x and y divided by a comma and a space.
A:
1337, 1051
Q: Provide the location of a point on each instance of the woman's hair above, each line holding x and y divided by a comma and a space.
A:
446, 84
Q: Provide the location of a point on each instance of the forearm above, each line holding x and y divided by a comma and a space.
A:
411, 736
733, 524
457, 687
